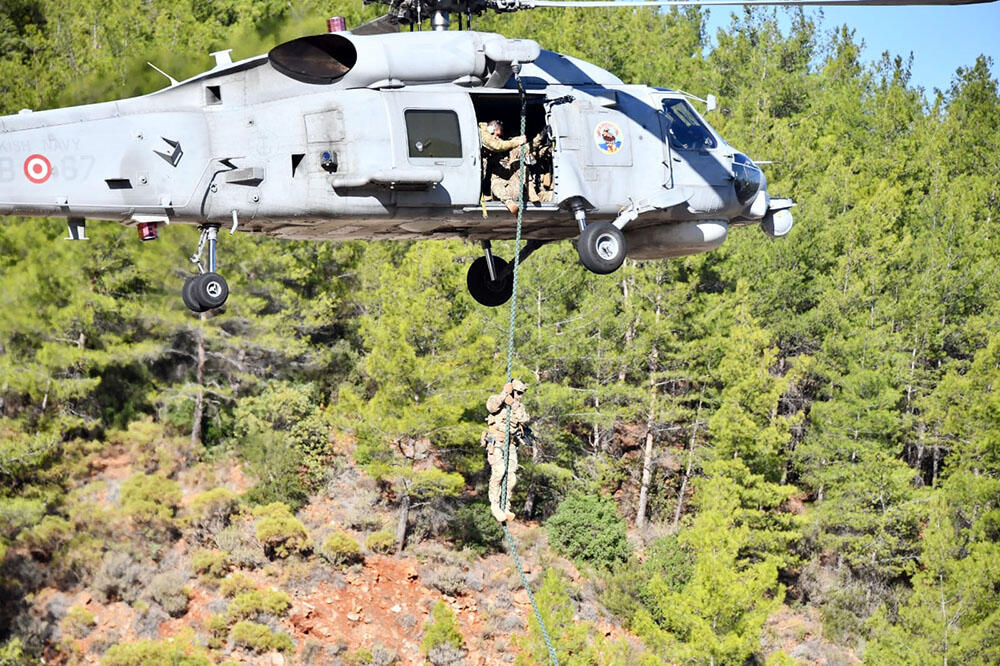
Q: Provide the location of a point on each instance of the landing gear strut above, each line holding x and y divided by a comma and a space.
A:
491, 279
207, 290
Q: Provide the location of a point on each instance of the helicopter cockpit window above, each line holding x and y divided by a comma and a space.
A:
685, 129
433, 133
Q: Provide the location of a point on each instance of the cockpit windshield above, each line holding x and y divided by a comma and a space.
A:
684, 128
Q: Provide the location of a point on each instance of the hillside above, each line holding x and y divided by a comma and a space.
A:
777, 452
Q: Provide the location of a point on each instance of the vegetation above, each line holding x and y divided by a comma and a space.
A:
818, 416
260, 638
441, 630
589, 529
341, 548
279, 531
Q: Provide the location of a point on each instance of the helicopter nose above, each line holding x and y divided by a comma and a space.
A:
747, 178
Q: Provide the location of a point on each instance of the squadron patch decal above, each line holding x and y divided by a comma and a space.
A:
37, 168
608, 137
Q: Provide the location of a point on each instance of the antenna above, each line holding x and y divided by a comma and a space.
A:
173, 81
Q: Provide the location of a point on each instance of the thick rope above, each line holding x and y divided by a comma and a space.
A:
510, 375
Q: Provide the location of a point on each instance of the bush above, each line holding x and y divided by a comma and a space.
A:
151, 448
78, 622
178, 651
236, 584
259, 638
212, 563
217, 627
441, 629
475, 528
254, 603
279, 531
285, 437
243, 549
588, 528
628, 588
48, 536
118, 578
168, 590
382, 541
151, 500
341, 548
209, 512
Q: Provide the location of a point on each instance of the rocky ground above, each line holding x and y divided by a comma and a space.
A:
372, 611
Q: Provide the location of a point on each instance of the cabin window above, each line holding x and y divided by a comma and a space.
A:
684, 128
433, 133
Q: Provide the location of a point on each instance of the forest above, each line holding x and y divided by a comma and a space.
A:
807, 426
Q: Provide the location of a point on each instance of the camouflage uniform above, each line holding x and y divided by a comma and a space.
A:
504, 181
493, 440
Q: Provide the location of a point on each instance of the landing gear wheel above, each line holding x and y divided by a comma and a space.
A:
210, 290
485, 291
601, 247
187, 293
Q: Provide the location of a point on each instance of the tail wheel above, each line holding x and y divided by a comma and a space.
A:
486, 291
601, 247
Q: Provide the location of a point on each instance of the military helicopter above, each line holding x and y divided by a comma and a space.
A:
374, 134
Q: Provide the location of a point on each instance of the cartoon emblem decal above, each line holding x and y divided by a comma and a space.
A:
37, 168
608, 137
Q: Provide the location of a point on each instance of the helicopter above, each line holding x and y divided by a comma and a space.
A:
374, 134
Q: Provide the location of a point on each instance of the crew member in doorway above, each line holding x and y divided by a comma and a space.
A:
493, 439
501, 171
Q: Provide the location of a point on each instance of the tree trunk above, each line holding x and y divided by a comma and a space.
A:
529, 500
404, 517
647, 474
687, 472
199, 399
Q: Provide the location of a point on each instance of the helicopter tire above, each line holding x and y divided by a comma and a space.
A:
485, 291
601, 247
187, 294
210, 290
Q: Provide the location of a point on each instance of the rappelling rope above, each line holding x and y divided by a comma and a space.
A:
510, 369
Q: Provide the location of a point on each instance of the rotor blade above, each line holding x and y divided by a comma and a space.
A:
700, 3
383, 25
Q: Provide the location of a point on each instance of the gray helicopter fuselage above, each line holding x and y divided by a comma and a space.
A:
381, 142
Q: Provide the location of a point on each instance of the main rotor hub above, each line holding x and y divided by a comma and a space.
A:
413, 12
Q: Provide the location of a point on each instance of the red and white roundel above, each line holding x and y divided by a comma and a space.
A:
37, 168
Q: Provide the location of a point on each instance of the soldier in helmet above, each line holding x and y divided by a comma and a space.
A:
493, 440
503, 178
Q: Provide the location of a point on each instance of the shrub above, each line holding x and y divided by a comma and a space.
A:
341, 548
445, 578
168, 590
243, 549
279, 531
236, 584
382, 541
151, 448
178, 651
78, 622
628, 587
588, 528
210, 511
259, 638
48, 536
151, 500
118, 578
475, 528
441, 629
212, 563
217, 627
253, 603
285, 437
